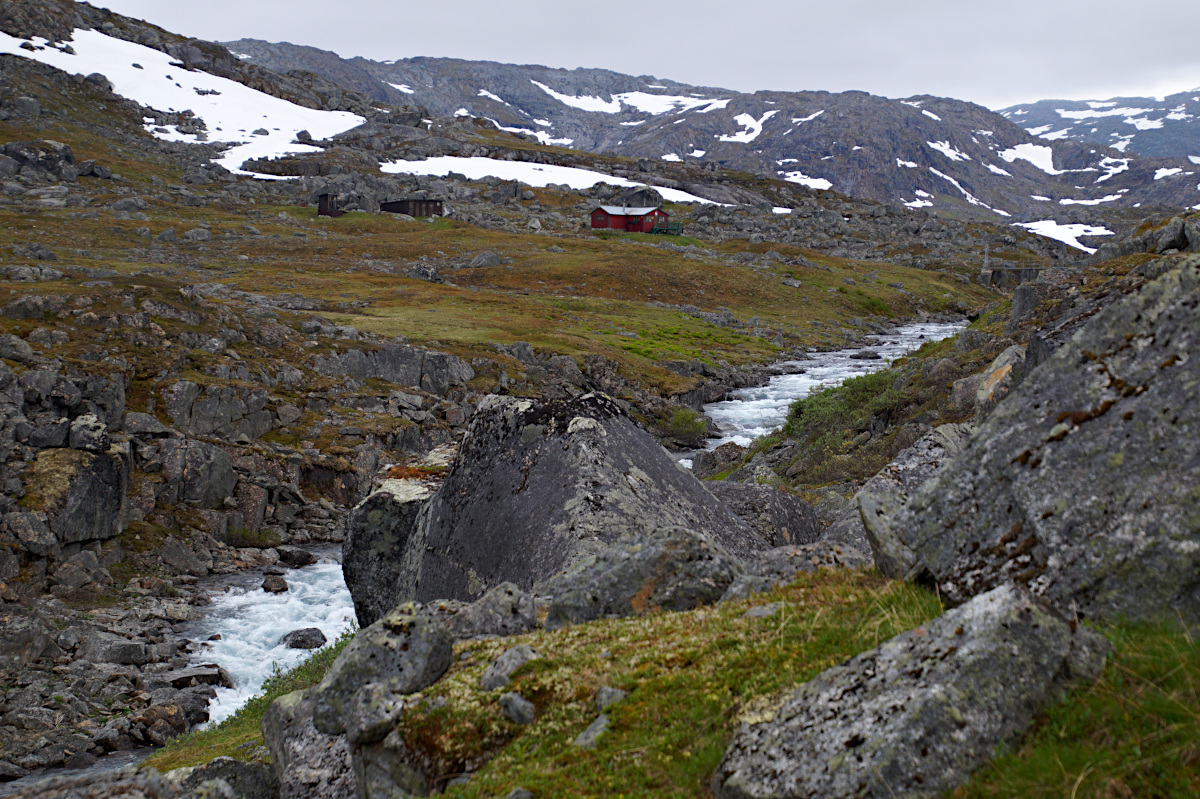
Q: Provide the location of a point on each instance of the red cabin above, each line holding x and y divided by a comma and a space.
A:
631, 220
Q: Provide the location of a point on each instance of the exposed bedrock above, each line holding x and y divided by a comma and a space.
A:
400, 364
1082, 483
917, 715
884, 496
535, 488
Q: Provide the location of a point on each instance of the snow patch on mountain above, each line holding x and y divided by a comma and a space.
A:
541, 135
947, 150
538, 175
584, 103
644, 102
804, 180
1040, 156
753, 128
402, 87
231, 111
809, 118
1108, 199
1068, 234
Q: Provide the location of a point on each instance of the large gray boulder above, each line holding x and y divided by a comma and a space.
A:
246, 780
503, 611
916, 716
307, 761
407, 651
534, 490
881, 498
1082, 483
671, 568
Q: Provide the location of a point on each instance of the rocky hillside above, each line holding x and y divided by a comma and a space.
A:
1144, 126
921, 151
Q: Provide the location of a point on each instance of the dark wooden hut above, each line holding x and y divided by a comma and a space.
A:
327, 205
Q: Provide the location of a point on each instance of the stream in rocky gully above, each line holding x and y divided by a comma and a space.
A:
250, 622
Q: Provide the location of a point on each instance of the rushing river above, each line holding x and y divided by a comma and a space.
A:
754, 412
250, 623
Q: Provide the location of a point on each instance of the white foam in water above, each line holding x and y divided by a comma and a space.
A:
252, 622
755, 412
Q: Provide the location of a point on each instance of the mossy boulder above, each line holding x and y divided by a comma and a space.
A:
84, 495
406, 651
917, 715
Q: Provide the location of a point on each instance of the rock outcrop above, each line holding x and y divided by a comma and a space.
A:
534, 490
916, 716
403, 365
1082, 483
883, 496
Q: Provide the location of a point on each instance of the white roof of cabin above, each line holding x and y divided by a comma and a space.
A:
619, 211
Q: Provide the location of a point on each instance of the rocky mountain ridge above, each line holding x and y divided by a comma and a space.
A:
922, 151
1157, 127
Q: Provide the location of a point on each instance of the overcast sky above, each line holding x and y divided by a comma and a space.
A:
993, 53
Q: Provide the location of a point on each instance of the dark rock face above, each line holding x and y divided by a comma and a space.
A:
672, 568
375, 557
534, 490
222, 411
778, 517
83, 495
198, 472
308, 638
917, 715
432, 371
1082, 483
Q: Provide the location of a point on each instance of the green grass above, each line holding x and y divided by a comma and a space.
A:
241, 733
691, 678
1134, 733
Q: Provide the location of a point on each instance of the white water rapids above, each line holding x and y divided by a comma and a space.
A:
754, 412
251, 621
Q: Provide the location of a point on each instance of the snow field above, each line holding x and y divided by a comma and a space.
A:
1068, 234
231, 111
539, 175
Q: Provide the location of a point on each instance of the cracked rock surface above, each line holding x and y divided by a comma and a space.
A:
1082, 484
